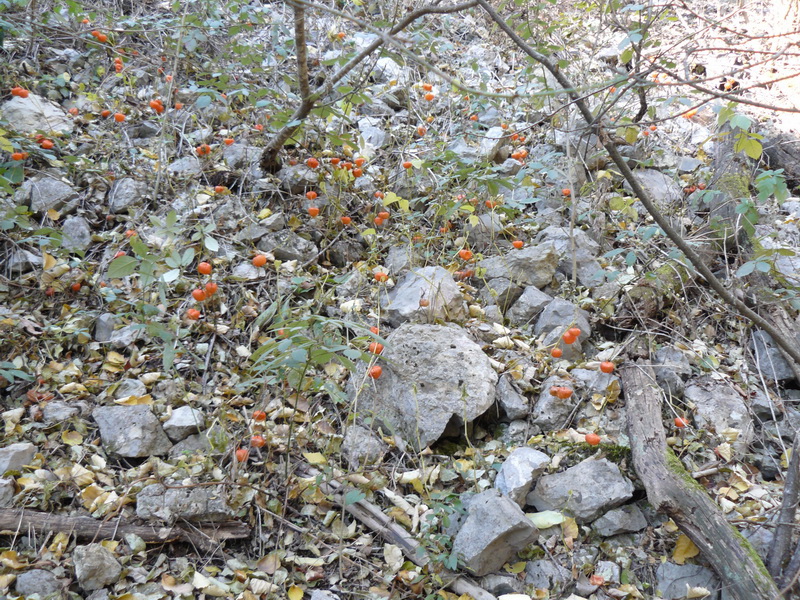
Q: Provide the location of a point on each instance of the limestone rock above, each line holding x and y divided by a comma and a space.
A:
522, 467
34, 114
95, 567
15, 456
532, 265
184, 421
436, 285
131, 431
202, 503
434, 378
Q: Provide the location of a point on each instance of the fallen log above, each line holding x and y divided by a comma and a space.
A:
207, 537
671, 490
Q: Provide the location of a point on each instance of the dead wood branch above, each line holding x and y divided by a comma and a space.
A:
671, 490
206, 537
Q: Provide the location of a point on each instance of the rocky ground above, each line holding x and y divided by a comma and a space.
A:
422, 313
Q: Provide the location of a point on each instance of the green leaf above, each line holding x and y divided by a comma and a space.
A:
211, 244
746, 268
626, 55
122, 267
353, 496
740, 122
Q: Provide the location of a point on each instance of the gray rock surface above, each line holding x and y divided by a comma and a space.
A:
531, 302
491, 142
718, 406
768, 358
131, 431
435, 284
76, 234
399, 259
104, 327
287, 245
296, 179
485, 232
34, 114
323, 595
57, 411
532, 265
37, 581
663, 189
188, 166
502, 292
625, 519
673, 579
494, 531
202, 503
130, 387
499, 585
585, 491
522, 467
183, 422
362, 447
23, 261
672, 369
551, 412
514, 404
588, 270
237, 156
125, 192
556, 318
7, 490
546, 574
434, 376
95, 567
43, 193
15, 456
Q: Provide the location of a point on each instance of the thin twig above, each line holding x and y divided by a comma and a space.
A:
779, 551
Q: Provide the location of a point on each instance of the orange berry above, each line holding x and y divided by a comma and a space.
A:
259, 260
120, 253
130, 233
576, 331
491, 204
556, 352
378, 221
18, 156
384, 214
357, 172
76, 287
242, 454
199, 295
645, 133
379, 194
701, 186
211, 288
85, 21
429, 96
119, 117
105, 114
219, 189
465, 254
102, 38
566, 192
178, 105
503, 125
592, 439
258, 441
47, 144
569, 338
564, 393
681, 422
193, 314
375, 348
407, 164
427, 87
653, 127
346, 220
311, 195
335, 161
380, 276
259, 415
375, 330
518, 244
50, 292
423, 302
473, 118
313, 211
607, 366
258, 127
421, 131
228, 141
204, 268
375, 371
312, 162
360, 161
73, 111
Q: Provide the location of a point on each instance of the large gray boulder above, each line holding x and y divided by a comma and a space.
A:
584, 491
587, 269
433, 284
95, 567
37, 581
43, 193
435, 378
131, 431
125, 192
34, 114
532, 265
494, 531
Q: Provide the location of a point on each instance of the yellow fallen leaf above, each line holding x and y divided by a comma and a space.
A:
295, 593
684, 548
10, 559
147, 399
569, 528
71, 438
315, 458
